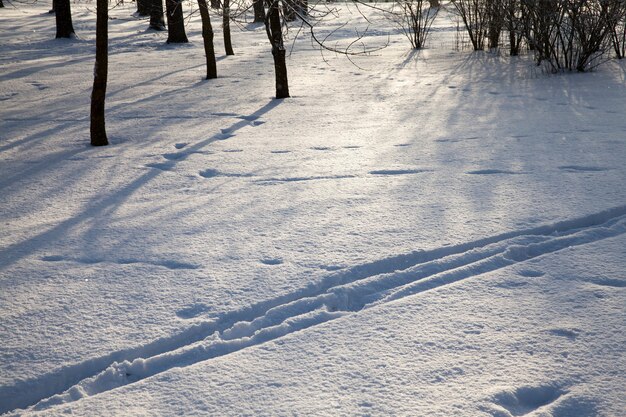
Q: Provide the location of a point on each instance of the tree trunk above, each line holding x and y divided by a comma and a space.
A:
289, 12
63, 13
1, 4
54, 5
228, 46
98, 94
275, 36
156, 15
175, 22
259, 11
207, 35
143, 7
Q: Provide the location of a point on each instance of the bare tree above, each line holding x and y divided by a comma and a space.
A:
98, 94
207, 35
415, 20
273, 28
228, 46
618, 36
473, 13
157, 22
143, 7
572, 34
63, 14
175, 22
259, 11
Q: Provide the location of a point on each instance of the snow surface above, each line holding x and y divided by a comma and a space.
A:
418, 233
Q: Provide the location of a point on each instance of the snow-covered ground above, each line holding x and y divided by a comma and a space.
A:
434, 233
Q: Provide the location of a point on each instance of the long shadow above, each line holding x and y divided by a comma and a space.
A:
18, 251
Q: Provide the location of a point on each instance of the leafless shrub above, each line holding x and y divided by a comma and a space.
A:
415, 20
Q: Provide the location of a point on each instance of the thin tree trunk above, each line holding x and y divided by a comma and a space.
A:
63, 13
143, 7
228, 46
259, 11
157, 22
275, 36
98, 94
289, 12
175, 22
207, 35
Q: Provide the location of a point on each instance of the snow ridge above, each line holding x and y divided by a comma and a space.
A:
338, 294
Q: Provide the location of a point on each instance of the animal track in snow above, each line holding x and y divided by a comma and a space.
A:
398, 171
180, 145
336, 295
269, 181
525, 400
39, 86
609, 282
212, 173
491, 172
563, 332
271, 261
580, 168
531, 273
192, 311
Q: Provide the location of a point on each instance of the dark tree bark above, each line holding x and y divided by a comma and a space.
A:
98, 94
1, 4
175, 22
228, 46
259, 11
289, 12
216, 4
207, 35
275, 36
143, 7
63, 13
157, 22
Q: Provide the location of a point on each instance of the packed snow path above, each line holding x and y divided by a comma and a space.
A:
338, 294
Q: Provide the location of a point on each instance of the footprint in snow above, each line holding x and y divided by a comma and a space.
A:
609, 282
571, 334
39, 86
524, 400
271, 261
398, 171
531, 273
212, 173
180, 145
192, 311
580, 168
52, 258
491, 172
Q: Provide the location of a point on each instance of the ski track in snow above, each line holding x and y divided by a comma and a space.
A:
339, 294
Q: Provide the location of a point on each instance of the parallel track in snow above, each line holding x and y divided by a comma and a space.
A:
338, 294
